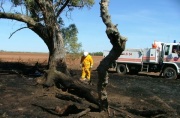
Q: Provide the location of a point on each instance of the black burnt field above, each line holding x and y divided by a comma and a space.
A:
133, 96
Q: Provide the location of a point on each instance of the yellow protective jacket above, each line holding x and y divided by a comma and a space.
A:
87, 61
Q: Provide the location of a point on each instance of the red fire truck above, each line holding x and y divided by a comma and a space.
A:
162, 57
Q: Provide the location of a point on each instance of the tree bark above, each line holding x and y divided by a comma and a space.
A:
118, 42
57, 56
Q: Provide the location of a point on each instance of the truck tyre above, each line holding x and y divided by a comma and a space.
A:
121, 69
170, 73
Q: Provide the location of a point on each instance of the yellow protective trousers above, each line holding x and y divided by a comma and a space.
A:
86, 73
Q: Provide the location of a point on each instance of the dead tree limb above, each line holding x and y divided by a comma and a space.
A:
16, 31
78, 100
69, 98
118, 42
73, 86
83, 112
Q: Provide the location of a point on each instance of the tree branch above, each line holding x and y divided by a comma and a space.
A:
17, 30
118, 42
58, 3
41, 6
46, 8
1, 6
62, 8
18, 17
38, 28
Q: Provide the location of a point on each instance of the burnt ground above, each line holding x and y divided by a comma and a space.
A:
129, 96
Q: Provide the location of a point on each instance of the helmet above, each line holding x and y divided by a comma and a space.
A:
85, 54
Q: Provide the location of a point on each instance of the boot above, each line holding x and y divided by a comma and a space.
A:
82, 79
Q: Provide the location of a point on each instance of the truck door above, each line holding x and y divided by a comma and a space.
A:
171, 53
175, 53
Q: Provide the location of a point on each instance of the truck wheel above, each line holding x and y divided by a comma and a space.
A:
121, 69
170, 73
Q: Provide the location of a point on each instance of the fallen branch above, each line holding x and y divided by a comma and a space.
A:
122, 112
77, 100
83, 112
68, 97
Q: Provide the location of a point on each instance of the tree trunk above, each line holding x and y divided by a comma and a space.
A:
57, 56
118, 42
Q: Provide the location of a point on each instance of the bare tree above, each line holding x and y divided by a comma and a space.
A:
118, 42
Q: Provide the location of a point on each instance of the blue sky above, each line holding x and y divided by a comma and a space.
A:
141, 21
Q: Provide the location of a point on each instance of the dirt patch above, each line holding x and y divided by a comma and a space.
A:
136, 96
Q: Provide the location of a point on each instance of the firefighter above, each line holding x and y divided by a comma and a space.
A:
86, 65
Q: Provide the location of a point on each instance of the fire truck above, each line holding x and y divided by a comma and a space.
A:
162, 57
